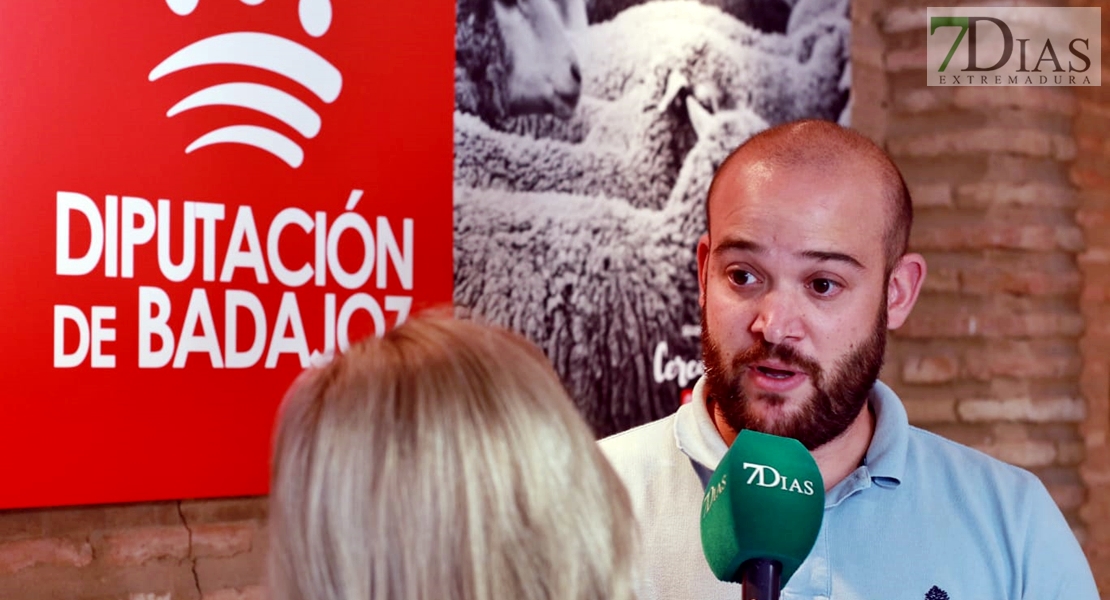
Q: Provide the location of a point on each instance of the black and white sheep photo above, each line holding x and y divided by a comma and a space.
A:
578, 227
516, 57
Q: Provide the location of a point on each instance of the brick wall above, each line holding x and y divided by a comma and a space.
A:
188, 550
1008, 350
1090, 173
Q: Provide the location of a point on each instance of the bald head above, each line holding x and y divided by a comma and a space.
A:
803, 148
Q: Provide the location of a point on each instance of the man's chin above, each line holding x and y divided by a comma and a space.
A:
765, 395
774, 413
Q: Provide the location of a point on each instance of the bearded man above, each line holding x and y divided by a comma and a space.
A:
802, 272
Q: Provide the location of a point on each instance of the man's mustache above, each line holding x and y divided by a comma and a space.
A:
763, 350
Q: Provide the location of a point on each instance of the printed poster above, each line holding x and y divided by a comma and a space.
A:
586, 135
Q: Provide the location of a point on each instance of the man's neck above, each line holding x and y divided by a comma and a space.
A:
836, 459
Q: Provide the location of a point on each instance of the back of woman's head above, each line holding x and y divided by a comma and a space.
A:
443, 461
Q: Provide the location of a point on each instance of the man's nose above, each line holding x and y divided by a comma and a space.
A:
778, 318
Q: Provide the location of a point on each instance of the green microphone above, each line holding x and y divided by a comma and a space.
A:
761, 513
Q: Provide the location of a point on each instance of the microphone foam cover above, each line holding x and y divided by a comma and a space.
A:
765, 500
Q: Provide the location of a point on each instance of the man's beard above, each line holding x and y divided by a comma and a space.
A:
838, 396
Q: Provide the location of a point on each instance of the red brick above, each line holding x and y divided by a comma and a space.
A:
24, 554
83, 520
1047, 99
1092, 219
985, 194
943, 320
224, 509
1070, 453
254, 592
1095, 477
1054, 359
1028, 142
22, 524
1091, 108
1067, 497
1095, 258
1028, 453
930, 411
1089, 144
930, 369
1016, 169
101, 582
142, 544
1090, 175
931, 195
1034, 229
1093, 512
907, 60
901, 19
867, 48
921, 100
236, 572
993, 280
1041, 410
223, 539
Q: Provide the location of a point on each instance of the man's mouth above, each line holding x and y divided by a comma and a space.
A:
776, 373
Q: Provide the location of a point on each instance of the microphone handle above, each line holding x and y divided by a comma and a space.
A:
761, 579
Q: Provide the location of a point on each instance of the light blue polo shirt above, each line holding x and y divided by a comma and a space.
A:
922, 518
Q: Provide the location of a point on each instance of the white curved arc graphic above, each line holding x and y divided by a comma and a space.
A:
261, 50
182, 7
252, 135
262, 98
315, 16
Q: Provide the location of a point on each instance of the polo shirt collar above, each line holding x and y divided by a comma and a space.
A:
886, 456
885, 462
694, 431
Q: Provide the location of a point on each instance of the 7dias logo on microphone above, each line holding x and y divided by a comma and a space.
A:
269, 52
769, 477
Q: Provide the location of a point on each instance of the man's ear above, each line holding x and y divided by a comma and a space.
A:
703, 267
902, 288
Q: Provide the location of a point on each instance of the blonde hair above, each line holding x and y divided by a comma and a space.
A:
443, 461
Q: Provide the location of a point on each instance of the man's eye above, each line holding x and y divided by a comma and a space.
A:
741, 277
824, 287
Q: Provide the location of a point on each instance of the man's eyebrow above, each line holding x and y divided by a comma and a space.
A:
742, 245
822, 256
737, 244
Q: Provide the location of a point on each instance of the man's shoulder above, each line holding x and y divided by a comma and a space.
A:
647, 456
996, 500
960, 464
642, 443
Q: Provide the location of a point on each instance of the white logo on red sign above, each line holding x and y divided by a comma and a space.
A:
266, 51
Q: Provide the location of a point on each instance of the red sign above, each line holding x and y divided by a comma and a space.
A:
199, 200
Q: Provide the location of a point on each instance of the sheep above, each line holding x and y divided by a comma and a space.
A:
515, 57
604, 163
595, 281
810, 11
770, 16
633, 133
782, 78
